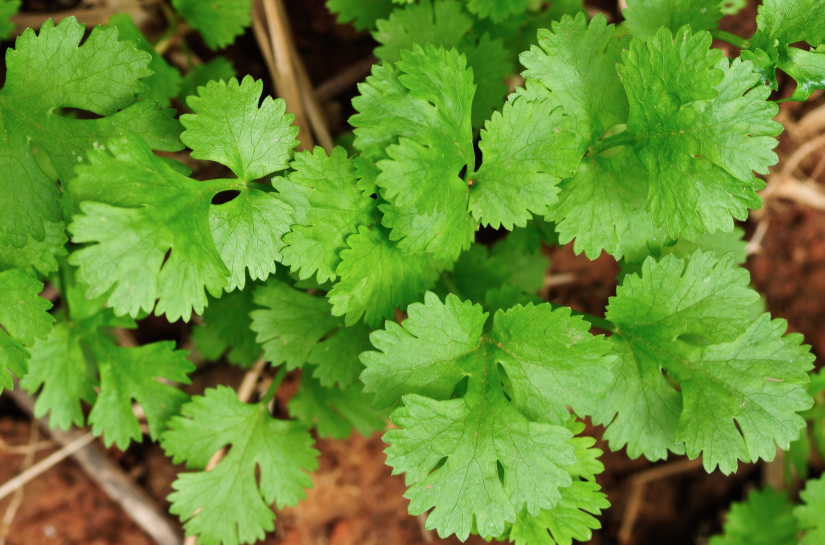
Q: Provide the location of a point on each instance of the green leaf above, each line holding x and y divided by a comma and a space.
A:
377, 278
811, 514
290, 324
333, 412
39, 254
226, 324
142, 209
7, 9
165, 83
45, 74
648, 16
230, 128
696, 134
218, 69
602, 206
337, 356
793, 20
692, 321
329, 207
424, 361
219, 21
23, 318
363, 14
528, 149
497, 10
230, 504
763, 519
445, 23
128, 374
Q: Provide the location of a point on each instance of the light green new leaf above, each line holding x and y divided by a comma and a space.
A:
266, 463
46, 73
693, 321
528, 149
647, 16
763, 519
445, 23
23, 318
699, 130
602, 206
128, 374
329, 207
363, 14
425, 360
7, 9
165, 83
333, 412
377, 278
136, 210
219, 21
291, 322
811, 514
230, 128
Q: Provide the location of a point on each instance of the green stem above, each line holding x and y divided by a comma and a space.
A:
732, 39
273, 386
623, 138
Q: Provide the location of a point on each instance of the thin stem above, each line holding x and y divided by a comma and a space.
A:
623, 138
732, 39
273, 386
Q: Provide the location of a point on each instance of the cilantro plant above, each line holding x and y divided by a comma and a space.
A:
360, 272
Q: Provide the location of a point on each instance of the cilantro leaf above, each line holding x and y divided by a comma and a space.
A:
48, 72
647, 16
810, 514
219, 68
226, 324
693, 322
290, 324
696, 134
444, 23
377, 278
765, 517
601, 206
337, 356
131, 373
497, 10
333, 412
39, 254
23, 318
528, 149
165, 83
363, 14
219, 21
230, 128
7, 9
329, 207
230, 504
136, 209
438, 345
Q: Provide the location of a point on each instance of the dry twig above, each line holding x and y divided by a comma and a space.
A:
345, 79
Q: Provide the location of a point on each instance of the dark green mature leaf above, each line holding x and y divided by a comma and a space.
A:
363, 14
445, 23
693, 321
230, 503
23, 318
811, 514
763, 519
337, 357
497, 10
377, 278
699, 129
219, 68
219, 21
479, 433
333, 412
165, 83
602, 206
38, 254
7, 9
647, 16
226, 325
49, 72
328, 208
